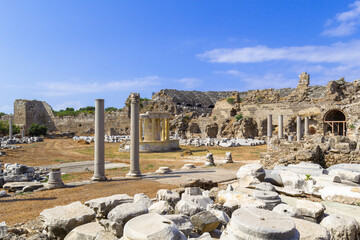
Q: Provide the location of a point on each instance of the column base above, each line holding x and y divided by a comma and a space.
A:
99, 178
134, 174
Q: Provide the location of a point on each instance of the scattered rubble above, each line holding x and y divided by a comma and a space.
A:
223, 142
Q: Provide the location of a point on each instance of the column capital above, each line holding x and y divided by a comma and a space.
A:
135, 97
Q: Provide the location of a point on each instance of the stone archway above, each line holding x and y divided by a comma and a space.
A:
335, 122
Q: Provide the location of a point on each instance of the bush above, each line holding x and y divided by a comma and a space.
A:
230, 100
4, 128
37, 130
111, 109
2, 114
352, 126
238, 117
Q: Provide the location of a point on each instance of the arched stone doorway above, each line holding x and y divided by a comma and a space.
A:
335, 122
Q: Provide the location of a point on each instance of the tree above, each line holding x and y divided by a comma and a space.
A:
37, 130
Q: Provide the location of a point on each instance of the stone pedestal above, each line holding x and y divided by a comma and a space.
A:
134, 136
228, 157
55, 179
306, 125
298, 128
281, 127
99, 153
209, 160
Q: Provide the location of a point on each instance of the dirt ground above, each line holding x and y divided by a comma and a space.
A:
27, 207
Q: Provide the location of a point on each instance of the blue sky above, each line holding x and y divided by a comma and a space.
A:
69, 53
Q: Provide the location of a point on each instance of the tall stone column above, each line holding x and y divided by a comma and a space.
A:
298, 128
162, 129
140, 130
147, 136
306, 125
99, 163
281, 127
269, 126
22, 132
10, 128
134, 135
167, 128
153, 129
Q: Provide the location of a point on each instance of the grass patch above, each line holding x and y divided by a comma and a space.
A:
67, 177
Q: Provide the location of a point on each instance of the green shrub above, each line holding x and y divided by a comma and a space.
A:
2, 114
214, 118
4, 128
239, 116
352, 126
111, 109
230, 100
37, 130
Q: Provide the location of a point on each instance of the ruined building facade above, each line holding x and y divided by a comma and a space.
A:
333, 108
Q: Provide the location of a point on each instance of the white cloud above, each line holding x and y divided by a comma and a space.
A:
71, 88
340, 52
189, 83
6, 108
73, 104
344, 23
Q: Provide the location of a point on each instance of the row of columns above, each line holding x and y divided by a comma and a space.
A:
155, 134
281, 126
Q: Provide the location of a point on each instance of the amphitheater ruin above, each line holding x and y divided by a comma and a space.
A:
305, 184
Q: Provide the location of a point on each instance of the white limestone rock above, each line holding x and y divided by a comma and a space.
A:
250, 175
3, 229
222, 216
182, 222
341, 227
161, 208
141, 198
235, 200
60, 220
310, 231
265, 186
113, 227
87, 231
124, 212
188, 166
102, 235
102, 206
152, 226
312, 211
271, 199
187, 207
286, 210
163, 170
166, 195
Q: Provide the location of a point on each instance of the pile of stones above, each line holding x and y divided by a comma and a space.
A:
325, 151
108, 138
15, 177
224, 142
8, 143
250, 208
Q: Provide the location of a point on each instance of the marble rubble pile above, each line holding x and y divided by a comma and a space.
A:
108, 138
8, 143
224, 142
251, 208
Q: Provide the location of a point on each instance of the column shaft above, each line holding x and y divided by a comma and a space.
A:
140, 130
298, 128
99, 153
153, 129
281, 127
10, 128
134, 136
306, 125
167, 129
162, 129
269, 125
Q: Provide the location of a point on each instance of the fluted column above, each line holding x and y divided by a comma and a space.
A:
298, 128
99, 153
281, 127
306, 125
134, 136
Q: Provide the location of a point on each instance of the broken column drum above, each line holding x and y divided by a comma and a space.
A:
154, 135
55, 179
134, 136
99, 153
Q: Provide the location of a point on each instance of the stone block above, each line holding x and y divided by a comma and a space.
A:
341, 227
124, 212
102, 206
204, 221
85, 232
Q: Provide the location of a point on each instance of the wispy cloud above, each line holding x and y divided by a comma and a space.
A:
74, 104
344, 23
189, 83
6, 108
72, 88
341, 52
